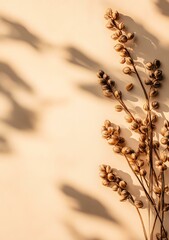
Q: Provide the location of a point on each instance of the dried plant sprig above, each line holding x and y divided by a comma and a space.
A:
149, 161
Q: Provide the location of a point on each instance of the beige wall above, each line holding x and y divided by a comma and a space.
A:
51, 111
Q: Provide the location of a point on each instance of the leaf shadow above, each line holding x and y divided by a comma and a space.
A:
163, 7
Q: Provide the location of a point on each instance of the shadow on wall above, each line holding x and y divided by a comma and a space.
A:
19, 117
163, 6
18, 32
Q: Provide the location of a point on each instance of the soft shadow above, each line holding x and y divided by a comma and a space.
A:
87, 204
18, 32
4, 145
77, 235
92, 89
163, 7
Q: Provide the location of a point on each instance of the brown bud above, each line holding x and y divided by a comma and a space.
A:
158, 73
123, 198
118, 108
107, 93
144, 129
149, 65
157, 63
142, 138
115, 187
117, 149
164, 140
128, 118
127, 70
123, 184
109, 11
102, 174
163, 130
155, 105
148, 81
156, 84
118, 94
156, 144
154, 118
157, 190
105, 182
138, 203
166, 123
129, 60
115, 15
123, 39
108, 169
134, 126
140, 163
129, 87
111, 177
110, 25
106, 77
153, 92
123, 60
123, 53
100, 73
143, 172
130, 36
121, 26
146, 106
118, 47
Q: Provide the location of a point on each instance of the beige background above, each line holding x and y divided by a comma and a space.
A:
51, 111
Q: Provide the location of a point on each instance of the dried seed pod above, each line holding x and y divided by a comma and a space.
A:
153, 92
127, 70
105, 182
115, 15
134, 126
166, 123
156, 84
123, 39
130, 36
146, 106
123, 53
117, 149
163, 157
136, 169
107, 93
166, 207
129, 60
128, 118
121, 26
129, 87
110, 25
115, 187
124, 192
148, 81
111, 83
121, 140
138, 203
154, 118
142, 138
109, 11
143, 172
144, 129
112, 141
151, 75
157, 190
102, 167
118, 108
111, 177
166, 134
118, 94
158, 73
123, 184
158, 163
106, 77
164, 140
123, 60
157, 63
134, 156
100, 73
155, 105
102, 174
108, 169
162, 167
140, 163
149, 65
118, 47
123, 198
163, 130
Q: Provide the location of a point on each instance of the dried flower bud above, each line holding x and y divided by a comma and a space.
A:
117, 149
153, 92
151, 75
123, 60
123, 39
149, 65
123, 184
157, 63
111, 83
158, 163
123, 198
129, 87
134, 126
142, 138
115, 187
118, 108
146, 106
115, 15
156, 144
143, 172
158, 73
111, 177
140, 163
105, 182
118, 94
121, 26
102, 174
164, 140
163, 130
109, 11
162, 167
155, 105
127, 70
118, 47
100, 73
166, 134
138, 203
108, 169
130, 36
123, 53
148, 81
106, 77
112, 141
156, 84
154, 118
107, 93
144, 129
129, 60
157, 190
128, 118
110, 25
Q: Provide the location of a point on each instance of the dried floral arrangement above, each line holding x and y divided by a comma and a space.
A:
149, 162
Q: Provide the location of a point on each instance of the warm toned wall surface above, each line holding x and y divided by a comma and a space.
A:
51, 111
